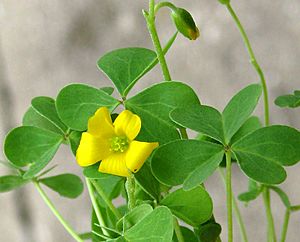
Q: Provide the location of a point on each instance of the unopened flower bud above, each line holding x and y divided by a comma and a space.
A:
185, 23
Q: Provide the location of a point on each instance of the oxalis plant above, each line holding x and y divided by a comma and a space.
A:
142, 151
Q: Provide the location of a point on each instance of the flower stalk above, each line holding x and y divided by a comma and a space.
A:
56, 213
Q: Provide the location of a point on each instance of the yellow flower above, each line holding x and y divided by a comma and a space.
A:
113, 143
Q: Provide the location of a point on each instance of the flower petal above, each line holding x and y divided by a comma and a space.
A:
127, 124
137, 154
100, 123
115, 164
92, 149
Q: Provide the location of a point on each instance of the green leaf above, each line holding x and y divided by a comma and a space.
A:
66, 185
253, 123
32, 146
154, 104
108, 90
173, 162
291, 100
283, 196
123, 66
156, 226
74, 139
239, 109
188, 235
193, 207
203, 119
9, 183
209, 232
133, 217
260, 169
76, 103
253, 192
203, 171
33, 118
276, 143
45, 106
148, 182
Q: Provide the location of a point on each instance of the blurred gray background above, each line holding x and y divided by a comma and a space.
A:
44, 45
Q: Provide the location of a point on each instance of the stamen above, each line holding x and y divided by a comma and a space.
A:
119, 144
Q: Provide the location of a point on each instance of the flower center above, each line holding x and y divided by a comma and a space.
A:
119, 144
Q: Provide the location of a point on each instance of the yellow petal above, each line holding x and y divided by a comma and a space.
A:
137, 154
92, 149
100, 123
127, 124
115, 164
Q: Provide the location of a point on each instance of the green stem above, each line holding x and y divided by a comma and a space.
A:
86, 236
267, 202
130, 188
253, 62
164, 4
237, 212
96, 206
177, 230
150, 18
183, 133
258, 69
285, 225
295, 208
229, 196
56, 213
107, 201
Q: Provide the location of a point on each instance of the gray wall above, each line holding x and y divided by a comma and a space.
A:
45, 45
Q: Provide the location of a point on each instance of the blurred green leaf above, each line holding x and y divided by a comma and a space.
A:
76, 103
193, 207
66, 185
45, 106
33, 118
262, 153
147, 181
277, 143
154, 104
74, 139
188, 235
203, 171
133, 217
123, 66
283, 196
239, 109
291, 100
9, 183
108, 90
253, 123
31, 146
253, 192
203, 119
172, 163
209, 232
156, 226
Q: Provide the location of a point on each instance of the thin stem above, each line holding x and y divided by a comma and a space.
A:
150, 18
164, 4
285, 225
237, 212
295, 208
229, 196
253, 62
56, 213
95, 205
271, 228
183, 133
107, 201
177, 230
130, 189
